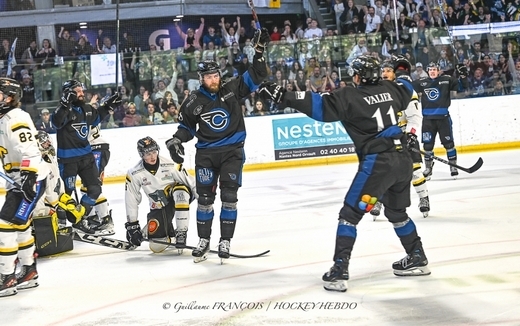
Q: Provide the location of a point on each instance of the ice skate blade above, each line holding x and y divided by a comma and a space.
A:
425, 214
200, 259
8, 292
28, 284
417, 271
336, 286
374, 217
180, 251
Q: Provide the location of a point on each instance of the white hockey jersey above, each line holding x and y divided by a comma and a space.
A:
94, 136
153, 185
19, 147
55, 187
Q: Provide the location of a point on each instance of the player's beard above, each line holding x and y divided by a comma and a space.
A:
213, 88
80, 100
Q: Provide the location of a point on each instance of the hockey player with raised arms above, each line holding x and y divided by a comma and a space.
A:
410, 120
213, 114
436, 92
369, 114
170, 190
73, 119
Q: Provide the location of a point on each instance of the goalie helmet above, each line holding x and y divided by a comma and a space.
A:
367, 68
9, 88
146, 145
45, 143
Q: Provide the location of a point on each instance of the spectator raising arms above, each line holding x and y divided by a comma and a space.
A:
191, 38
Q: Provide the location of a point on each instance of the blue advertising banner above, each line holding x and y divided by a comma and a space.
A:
304, 137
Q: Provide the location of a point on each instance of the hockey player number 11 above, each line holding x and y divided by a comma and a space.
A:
379, 118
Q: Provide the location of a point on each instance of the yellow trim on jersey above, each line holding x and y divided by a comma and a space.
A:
13, 227
26, 244
11, 250
182, 206
101, 200
18, 126
181, 187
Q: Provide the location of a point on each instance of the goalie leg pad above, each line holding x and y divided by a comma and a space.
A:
49, 239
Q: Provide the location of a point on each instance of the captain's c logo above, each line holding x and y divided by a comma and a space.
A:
432, 94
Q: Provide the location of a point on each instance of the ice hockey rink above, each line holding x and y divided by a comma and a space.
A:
471, 238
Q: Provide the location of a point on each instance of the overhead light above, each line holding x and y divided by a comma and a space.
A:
82, 23
83, 26
179, 16
176, 19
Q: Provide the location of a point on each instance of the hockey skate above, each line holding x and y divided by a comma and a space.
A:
103, 226
28, 277
7, 285
84, 226
428, 171
453, 170
200, 253
414, 264
180, 241
336, 278
424, 206
376, 210
223, 250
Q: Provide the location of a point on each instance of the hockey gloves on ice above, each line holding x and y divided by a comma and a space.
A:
28, 184
411, 140
176, 149
73, 211
67, 98
133, 233
462, 70
271, 91
260, 39
113, 101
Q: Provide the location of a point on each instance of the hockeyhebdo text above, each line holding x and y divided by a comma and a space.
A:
304, 306
306, 132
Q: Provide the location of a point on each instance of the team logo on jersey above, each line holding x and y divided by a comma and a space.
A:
426, 137
153, 225
432, 94
81, 129
217, 119
205, 176
232, 176
228, 95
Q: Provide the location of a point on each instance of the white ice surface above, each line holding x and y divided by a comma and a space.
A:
471, 238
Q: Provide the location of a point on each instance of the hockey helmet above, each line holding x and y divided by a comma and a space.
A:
9, 88
207, 67
71, 84
432, 65
400, 62
146, 145
367, 68
45, 143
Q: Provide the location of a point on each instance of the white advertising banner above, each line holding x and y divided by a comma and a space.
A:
103, 69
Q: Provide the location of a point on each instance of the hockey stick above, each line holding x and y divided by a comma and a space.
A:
472, 169
10, 180
102, 241
253, 11
212, 251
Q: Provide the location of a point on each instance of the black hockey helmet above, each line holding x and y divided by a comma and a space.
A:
71, 84
207, 67
45, 143
433, 65
367, 68
400, 62
9, 88
146, 145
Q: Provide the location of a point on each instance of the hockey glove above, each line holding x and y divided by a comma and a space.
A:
68, 97
462, 70
176, 149
411, 140
28, 184
133, 233
113, 101
73, 211
271, 91
260, 39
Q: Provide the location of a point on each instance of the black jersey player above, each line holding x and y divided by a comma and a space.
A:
369, 114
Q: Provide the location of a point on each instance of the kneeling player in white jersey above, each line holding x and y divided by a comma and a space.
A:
52, 237
100, 217
170, 190
410, 120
